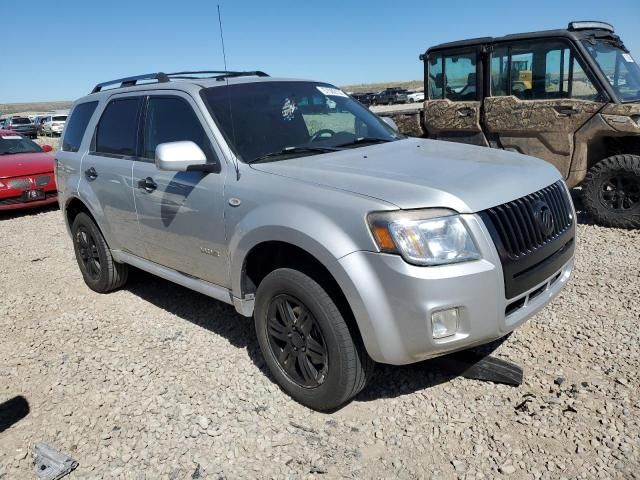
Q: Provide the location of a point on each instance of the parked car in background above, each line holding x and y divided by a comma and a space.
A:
414, 97
389, 96
365, 98
54, 125
347, 242
26, 173
21, 125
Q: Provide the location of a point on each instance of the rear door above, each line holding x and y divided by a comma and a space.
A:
106, 172
454, 95
541, 94
181, 214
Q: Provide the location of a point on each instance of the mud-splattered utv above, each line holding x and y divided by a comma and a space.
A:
571, 97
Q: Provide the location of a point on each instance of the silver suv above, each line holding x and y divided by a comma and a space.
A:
348, 243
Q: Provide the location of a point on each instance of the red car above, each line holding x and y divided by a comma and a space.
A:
26, 173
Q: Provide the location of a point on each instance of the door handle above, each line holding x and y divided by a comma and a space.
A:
147, 184
91, 173
466, 112
566, 110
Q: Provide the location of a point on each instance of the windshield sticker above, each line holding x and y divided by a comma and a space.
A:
628, 58
289, 109
11, 137
332, 92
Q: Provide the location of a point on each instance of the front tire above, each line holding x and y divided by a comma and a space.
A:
611, 191
100, 272
306, 342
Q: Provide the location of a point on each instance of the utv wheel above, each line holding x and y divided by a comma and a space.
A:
611, 191
306, 342
100, 272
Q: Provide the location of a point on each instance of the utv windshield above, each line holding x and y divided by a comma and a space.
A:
618, 67
267, 121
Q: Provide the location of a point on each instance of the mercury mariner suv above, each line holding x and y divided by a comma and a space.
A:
347, 242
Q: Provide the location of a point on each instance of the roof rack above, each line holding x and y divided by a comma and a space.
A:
162, 77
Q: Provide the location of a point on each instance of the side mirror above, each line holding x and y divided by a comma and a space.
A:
182, 157
389, 121
47, 148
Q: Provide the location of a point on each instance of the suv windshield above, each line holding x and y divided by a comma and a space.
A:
289, 118
60, 118
618, 67
10, 144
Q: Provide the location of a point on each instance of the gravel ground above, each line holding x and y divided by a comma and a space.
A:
156, 381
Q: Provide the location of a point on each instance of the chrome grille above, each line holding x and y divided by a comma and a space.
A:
520, 224
43, 180
21, 183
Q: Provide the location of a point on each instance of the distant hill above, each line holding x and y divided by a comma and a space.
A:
8, 108
376, 87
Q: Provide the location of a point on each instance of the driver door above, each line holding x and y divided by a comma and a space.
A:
180, 214
452, 109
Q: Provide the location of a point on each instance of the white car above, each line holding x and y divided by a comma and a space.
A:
54, 125
415, 97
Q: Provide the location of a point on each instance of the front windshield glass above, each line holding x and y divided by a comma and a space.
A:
268, 118
60, 118
10, 144
618, 67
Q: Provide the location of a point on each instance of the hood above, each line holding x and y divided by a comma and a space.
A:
21, 164
419, 173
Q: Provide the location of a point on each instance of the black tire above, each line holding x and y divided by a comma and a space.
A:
611, 191
100, 272
335, 377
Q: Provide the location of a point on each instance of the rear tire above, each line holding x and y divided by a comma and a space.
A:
299, 326
100, 272
611, 191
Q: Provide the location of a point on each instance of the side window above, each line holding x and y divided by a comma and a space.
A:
581, 87
77, 125
460, 77
539, 71
171, 119
436, 78
117, 130
453, 77
499, 71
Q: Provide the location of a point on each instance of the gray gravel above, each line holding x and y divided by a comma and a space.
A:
155, 381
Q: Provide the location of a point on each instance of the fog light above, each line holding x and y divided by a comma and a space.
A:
444, 323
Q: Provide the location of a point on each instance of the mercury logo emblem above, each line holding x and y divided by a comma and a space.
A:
544, 217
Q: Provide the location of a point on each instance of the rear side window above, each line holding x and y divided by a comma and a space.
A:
171, 119
117, 130
77, 125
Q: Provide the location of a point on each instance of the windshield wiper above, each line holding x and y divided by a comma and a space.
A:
290, 150
361, 140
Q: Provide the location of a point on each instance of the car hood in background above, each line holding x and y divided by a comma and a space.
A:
418, 173
21, 164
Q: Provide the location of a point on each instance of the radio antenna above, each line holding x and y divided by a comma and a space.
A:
224, 55
233, 128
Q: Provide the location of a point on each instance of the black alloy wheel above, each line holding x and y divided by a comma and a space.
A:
297, 342
88, 252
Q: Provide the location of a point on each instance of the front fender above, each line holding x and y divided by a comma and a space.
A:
299, 225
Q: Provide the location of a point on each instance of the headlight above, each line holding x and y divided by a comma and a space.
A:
424, 237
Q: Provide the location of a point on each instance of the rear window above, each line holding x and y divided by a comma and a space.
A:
117, 131
20, 121
60, 118
77, 125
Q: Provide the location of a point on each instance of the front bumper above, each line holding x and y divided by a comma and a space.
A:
394, 300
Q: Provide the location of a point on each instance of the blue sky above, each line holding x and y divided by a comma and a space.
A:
59, 50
